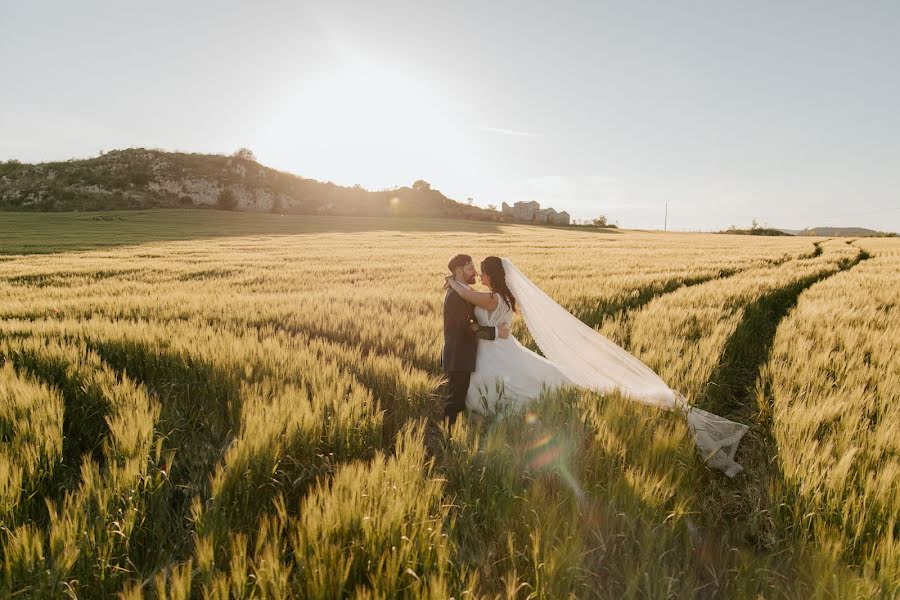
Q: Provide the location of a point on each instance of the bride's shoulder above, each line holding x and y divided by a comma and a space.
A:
502, 302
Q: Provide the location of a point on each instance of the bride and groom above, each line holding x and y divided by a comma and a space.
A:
489, 371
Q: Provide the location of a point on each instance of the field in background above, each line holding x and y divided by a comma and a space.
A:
234, 405
30, 233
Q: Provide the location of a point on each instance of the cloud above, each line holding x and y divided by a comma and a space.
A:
512, 132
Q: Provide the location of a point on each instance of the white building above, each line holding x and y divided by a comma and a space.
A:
532, 212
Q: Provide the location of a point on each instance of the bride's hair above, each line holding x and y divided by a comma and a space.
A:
493, 266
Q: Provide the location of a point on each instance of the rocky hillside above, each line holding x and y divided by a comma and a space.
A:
140, 178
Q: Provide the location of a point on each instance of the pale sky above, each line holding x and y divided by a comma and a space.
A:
783, 111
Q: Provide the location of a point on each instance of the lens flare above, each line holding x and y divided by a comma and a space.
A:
550, 452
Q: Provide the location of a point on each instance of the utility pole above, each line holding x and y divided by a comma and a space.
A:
666, 222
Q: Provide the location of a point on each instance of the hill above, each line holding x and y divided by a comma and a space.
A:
844, 232
856, 232
139, 178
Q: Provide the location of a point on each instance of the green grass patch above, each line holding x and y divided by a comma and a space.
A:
41, 233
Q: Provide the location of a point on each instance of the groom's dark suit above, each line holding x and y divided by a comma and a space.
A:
461, 334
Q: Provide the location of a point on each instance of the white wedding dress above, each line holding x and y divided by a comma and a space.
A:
508, 376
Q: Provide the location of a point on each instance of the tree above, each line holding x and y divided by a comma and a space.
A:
599, 221
226, 199
276, 205
244, 154
492, 207
470, 201
420, 185
140, 177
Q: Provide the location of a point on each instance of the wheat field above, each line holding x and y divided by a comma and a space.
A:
244, 406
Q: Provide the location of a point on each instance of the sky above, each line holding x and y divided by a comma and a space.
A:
717, 111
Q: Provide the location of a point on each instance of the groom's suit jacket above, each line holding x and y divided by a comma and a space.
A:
461, 334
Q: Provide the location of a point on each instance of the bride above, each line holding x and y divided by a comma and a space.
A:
508, 375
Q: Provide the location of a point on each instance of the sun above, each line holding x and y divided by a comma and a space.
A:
352, 118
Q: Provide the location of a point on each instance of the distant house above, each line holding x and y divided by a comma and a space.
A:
531, 212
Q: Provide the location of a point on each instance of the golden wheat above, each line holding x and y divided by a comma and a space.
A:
245, 417
833, 382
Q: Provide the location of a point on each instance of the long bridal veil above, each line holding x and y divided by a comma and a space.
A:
590, 360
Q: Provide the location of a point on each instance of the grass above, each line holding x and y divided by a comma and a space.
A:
207, 404
33, 233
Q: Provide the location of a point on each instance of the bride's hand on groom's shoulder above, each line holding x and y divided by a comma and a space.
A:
446, 285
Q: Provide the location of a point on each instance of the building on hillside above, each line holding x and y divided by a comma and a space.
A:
532, 212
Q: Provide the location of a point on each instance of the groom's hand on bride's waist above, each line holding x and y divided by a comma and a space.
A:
503, 330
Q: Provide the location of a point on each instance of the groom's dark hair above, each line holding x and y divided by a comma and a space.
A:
460, 260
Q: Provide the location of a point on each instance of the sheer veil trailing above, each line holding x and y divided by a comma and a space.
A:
591, 360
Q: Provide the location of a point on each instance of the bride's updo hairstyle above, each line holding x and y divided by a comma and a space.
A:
493, 267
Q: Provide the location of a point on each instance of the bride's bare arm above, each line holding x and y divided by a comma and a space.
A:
485, 300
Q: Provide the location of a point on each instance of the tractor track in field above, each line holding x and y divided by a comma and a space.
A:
197, 437
199, 420
85, 427
745, 504
644, 296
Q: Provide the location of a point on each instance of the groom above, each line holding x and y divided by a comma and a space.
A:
461, 335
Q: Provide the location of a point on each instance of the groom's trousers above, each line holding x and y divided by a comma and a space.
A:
458, 385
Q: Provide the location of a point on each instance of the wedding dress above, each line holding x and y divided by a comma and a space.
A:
507, 375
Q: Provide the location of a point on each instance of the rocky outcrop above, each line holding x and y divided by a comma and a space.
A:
142, 178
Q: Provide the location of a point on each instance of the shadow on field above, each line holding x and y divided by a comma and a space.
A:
41, 233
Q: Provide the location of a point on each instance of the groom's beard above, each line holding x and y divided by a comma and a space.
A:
471, 280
